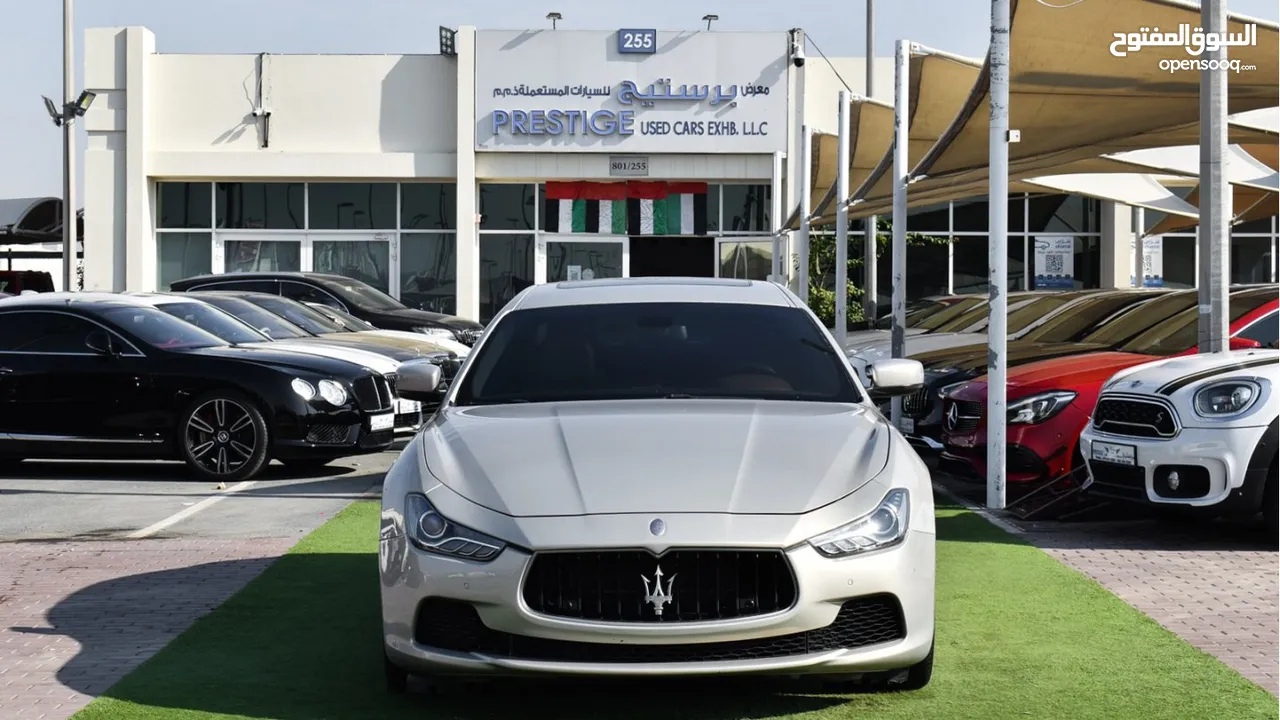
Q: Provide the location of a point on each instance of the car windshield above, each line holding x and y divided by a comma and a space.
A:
213, 321
656, 350
1140, 318
364, 294
1021, 313
975, 307
1181, 332
346, 319
161, 330
271, 325
298, 314
1084, 317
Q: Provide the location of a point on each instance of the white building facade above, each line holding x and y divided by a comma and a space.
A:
452, 181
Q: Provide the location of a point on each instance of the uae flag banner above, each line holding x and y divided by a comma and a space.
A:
626, 208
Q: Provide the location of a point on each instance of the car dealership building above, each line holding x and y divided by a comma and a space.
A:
454, 180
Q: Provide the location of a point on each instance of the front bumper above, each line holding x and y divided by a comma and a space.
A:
311, 432
1213, 467
504, 637
1033, 453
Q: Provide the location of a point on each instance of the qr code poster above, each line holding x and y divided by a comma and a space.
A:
1055, 261
1152, 261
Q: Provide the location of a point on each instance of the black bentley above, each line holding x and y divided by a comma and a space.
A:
96, 376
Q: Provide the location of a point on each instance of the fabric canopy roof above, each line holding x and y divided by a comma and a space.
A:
1137, 190
870, 124
1242, 168
1247, 203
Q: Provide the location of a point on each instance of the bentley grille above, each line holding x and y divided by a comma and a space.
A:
1134, 417
695, 585
373, 393
456, 626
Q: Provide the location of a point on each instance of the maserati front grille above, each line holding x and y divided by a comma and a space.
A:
625, 586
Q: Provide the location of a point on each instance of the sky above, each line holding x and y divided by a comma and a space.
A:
31, 54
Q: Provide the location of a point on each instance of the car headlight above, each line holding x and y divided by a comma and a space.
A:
333, 392
948, 389
1038, 408
1224, 399
439, 332
304, 389
431, 532
883, 527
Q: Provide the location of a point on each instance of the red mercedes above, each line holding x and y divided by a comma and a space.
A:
1050, 402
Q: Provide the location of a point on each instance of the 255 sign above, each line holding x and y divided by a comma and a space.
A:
631, 40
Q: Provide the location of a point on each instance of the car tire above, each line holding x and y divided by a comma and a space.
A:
222, 436
397, 677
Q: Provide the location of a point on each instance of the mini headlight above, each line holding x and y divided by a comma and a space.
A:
304, 389
445, 333
883, 527
1231, 397
1038, 408
431, 532
333, 392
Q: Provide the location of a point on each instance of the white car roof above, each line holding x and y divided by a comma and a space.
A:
654, 290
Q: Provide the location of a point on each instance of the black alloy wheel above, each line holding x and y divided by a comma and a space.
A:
224, 437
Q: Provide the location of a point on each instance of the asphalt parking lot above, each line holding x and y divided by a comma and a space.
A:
81, 545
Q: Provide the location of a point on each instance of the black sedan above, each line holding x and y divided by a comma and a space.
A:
97, 376
354, 296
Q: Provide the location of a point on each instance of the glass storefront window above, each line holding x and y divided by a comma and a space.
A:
428, 206
428, 271
746, 208
929, 218
1177, 261
265, 206
182, 255
746, 260
926, 273
263, 256
1251, 259
365, 260
974, 215
970, 265
184, 205
352, 206
506, 268
507, 207
583, 260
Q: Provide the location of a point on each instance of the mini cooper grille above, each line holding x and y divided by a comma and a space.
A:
373, 393
703, 585
916, 404
1135, 418
456, 626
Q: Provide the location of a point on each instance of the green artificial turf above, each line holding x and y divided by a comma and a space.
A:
1018, 636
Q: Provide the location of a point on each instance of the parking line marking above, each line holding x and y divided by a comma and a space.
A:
185, 513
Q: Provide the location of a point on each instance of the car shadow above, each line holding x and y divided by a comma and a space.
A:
303, 641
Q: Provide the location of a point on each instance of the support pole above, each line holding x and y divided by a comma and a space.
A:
806, 199
870, 266
1139, 247
775, 224
842, 222
901, 115
1215, 193
69, 234
998, 257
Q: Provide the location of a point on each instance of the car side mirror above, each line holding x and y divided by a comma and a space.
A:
99, 341
894, 378
418, 380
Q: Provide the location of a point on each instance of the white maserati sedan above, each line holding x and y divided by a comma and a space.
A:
660, 477
1195, 434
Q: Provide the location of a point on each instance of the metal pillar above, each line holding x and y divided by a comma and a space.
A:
775, 214
998, 257
806, 199
901, 115
870, 266
1139, 247
842, 222
69, 234
1215, 193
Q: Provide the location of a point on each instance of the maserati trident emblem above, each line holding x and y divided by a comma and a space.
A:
953, 414
658, 596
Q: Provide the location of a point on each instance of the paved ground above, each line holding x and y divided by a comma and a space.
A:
1214, 584
99, 572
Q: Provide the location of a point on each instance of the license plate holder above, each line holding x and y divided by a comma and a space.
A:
379, 423
907, 425
404, 407
1114, 453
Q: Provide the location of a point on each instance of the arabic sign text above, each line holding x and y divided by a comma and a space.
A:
613, 122
1194, 41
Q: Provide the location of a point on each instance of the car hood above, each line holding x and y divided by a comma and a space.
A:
1172, 375
973, 358
443, 343
374, 361
1081, 373
694, 456
284, 359
855, 341
426, 316
913, 344
396, 347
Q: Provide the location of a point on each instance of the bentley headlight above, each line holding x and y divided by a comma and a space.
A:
431, 532
1038, 408
1224, 399
304, 389
333, 392
883, 527
439, 332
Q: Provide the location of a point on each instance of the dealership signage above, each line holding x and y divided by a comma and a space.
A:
1055, 261
697, 93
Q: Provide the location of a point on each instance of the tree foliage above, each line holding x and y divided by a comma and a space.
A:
822, 268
